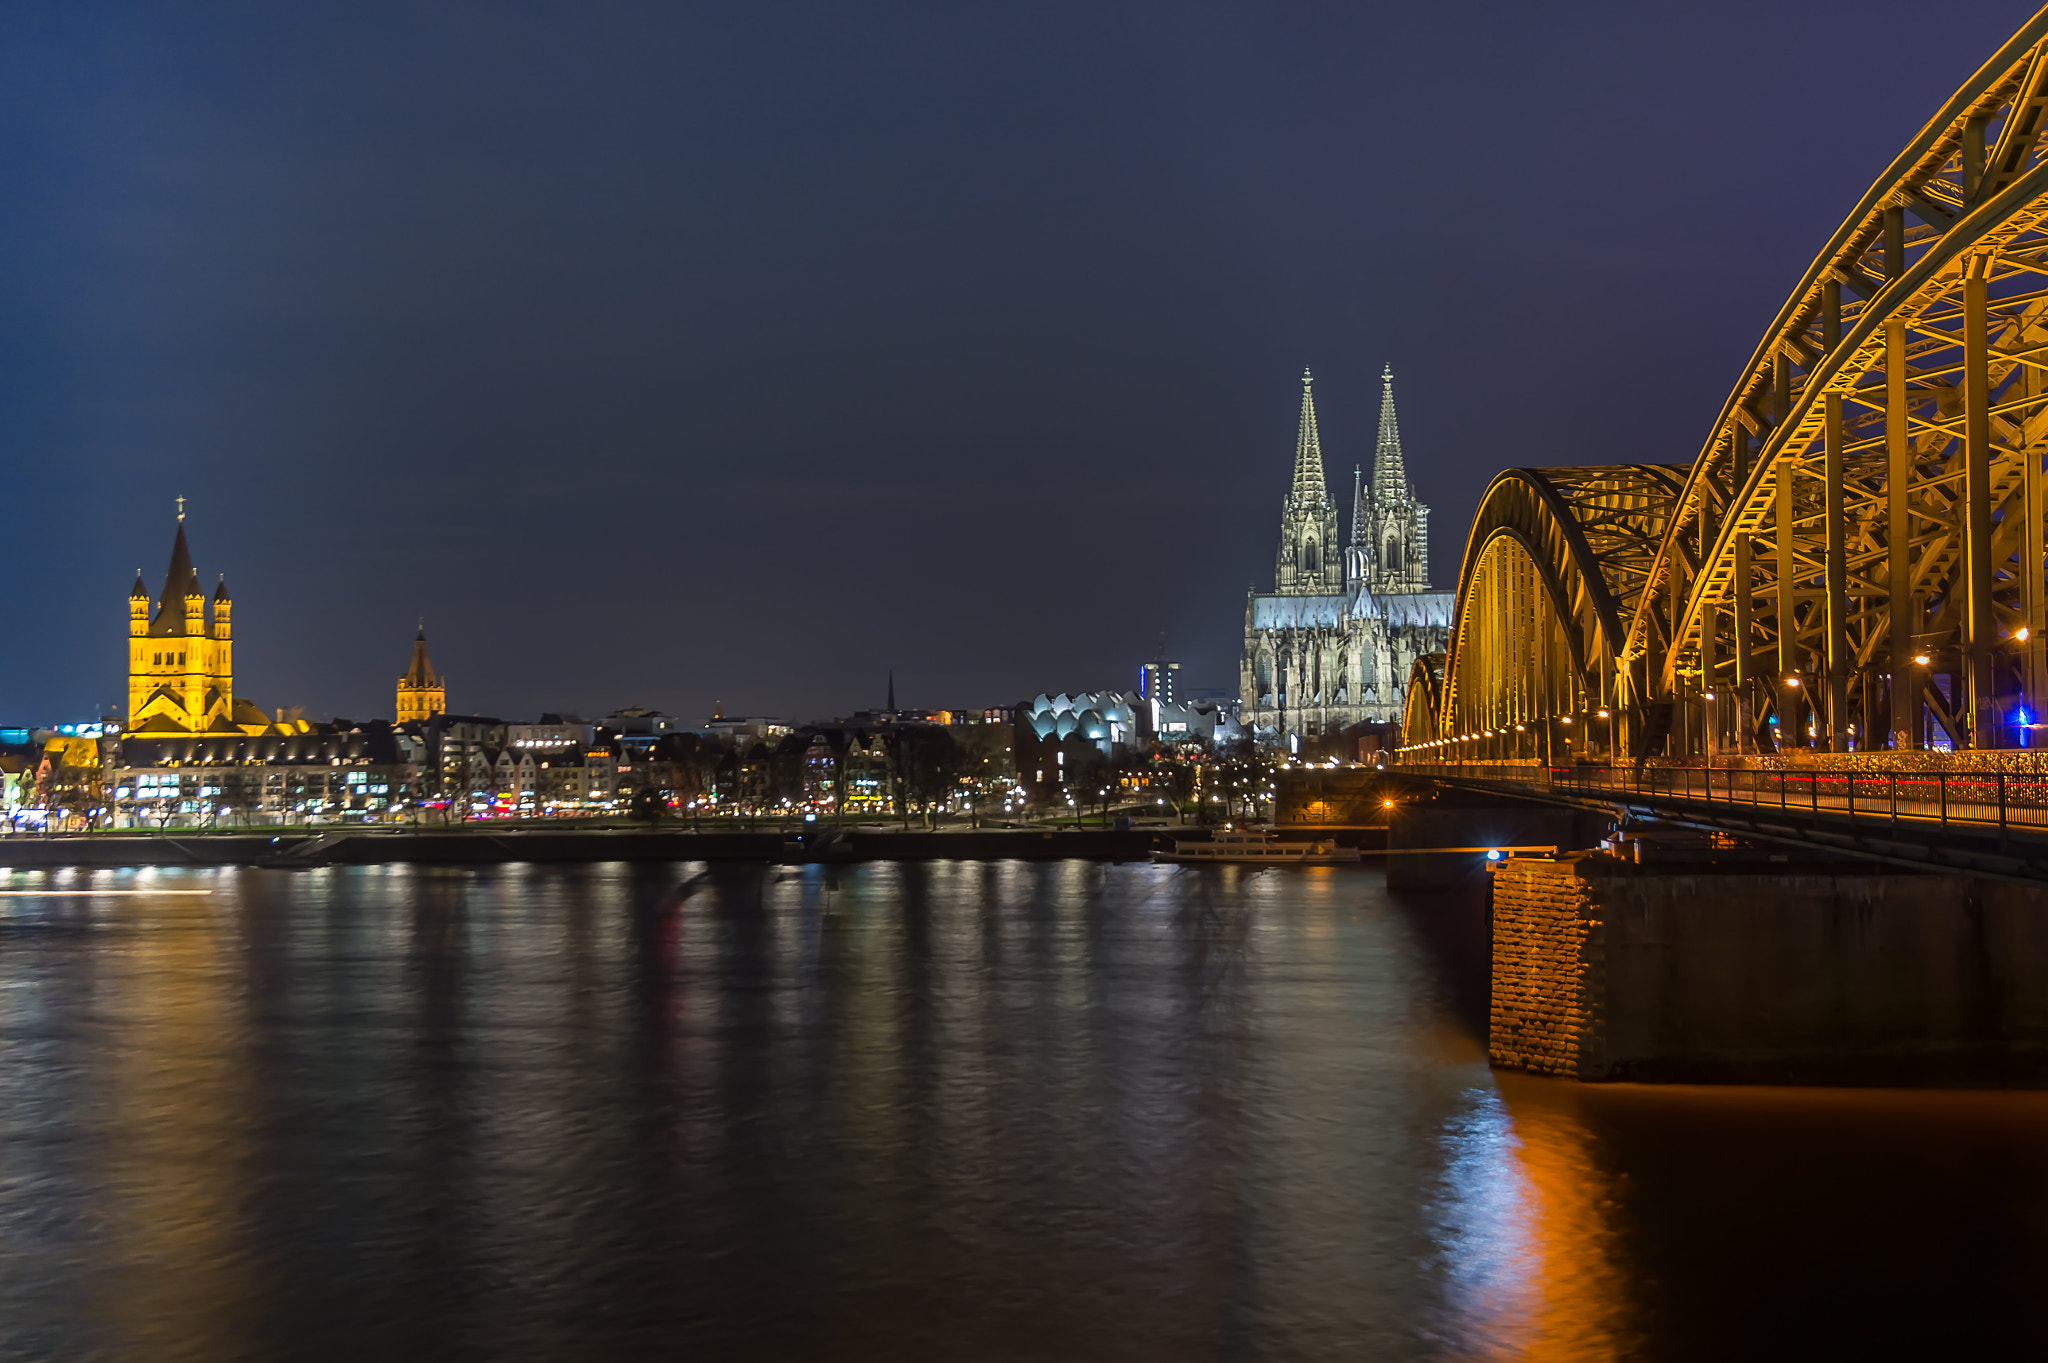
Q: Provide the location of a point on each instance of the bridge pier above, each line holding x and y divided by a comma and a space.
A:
1815, 973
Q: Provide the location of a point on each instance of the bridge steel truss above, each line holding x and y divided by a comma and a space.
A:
1856, 555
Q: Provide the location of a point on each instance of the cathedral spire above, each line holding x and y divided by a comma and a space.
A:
1308, 449
1361, 511
1389, 470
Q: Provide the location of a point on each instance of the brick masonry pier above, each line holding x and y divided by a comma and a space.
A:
1607, 970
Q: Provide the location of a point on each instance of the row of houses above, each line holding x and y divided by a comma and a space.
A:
449, 768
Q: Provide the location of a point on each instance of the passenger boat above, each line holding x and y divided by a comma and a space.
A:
1258, 847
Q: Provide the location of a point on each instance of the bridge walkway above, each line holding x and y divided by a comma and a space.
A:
1976, 822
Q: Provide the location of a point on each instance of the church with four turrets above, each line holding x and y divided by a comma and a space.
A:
181, 659
1330, 646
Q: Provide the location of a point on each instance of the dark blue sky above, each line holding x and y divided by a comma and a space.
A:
672, 355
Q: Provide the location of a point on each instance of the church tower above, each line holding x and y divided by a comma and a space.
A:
180, 659
1307, 564
1398, 524
422, 692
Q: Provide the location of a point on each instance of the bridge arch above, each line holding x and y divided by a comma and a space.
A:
1420, 701
1553, 565
1860, 548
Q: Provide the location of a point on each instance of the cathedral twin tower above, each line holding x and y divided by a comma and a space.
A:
1389, 549
1331, 645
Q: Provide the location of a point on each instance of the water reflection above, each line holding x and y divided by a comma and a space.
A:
900, 1111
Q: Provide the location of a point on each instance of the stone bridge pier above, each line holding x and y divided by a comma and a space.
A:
1785, 972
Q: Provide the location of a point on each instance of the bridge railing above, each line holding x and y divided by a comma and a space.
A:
1999, 800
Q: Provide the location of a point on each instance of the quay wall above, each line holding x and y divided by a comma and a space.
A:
1602, 970
483, 846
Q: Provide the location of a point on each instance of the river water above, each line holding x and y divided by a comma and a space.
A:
916, 1111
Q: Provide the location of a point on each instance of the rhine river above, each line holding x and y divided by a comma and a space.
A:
917, 1111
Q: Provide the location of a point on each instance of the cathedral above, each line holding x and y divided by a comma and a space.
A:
1330, 646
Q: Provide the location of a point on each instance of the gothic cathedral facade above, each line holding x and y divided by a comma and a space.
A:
1330, 646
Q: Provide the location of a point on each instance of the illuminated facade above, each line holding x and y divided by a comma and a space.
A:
422, 692
181, 661
1332, 644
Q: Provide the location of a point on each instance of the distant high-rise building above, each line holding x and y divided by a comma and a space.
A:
1330, 646
422, 692
1156, 681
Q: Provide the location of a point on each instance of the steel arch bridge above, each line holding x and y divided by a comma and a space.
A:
1854, 560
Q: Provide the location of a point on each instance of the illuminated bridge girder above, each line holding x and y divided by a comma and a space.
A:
1871, 494
1555, 563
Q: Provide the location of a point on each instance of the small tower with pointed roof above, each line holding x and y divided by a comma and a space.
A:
422, 692
138, 609
1358, 555
1307, 564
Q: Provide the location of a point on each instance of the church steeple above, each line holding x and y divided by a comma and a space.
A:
180, 585
1389, 470
1307, 563
422, 692
1396, 531
1308, 448
180, 657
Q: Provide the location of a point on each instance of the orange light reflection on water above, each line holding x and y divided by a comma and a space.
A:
1532, 1263
178, 1121
1576, 1289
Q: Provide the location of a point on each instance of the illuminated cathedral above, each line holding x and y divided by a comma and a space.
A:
1330, 646
181, 660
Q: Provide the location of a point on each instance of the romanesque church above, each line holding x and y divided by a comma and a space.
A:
1330, 646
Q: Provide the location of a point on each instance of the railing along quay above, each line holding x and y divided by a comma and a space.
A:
1977, 800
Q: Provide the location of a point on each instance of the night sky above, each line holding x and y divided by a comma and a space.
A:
674, 356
